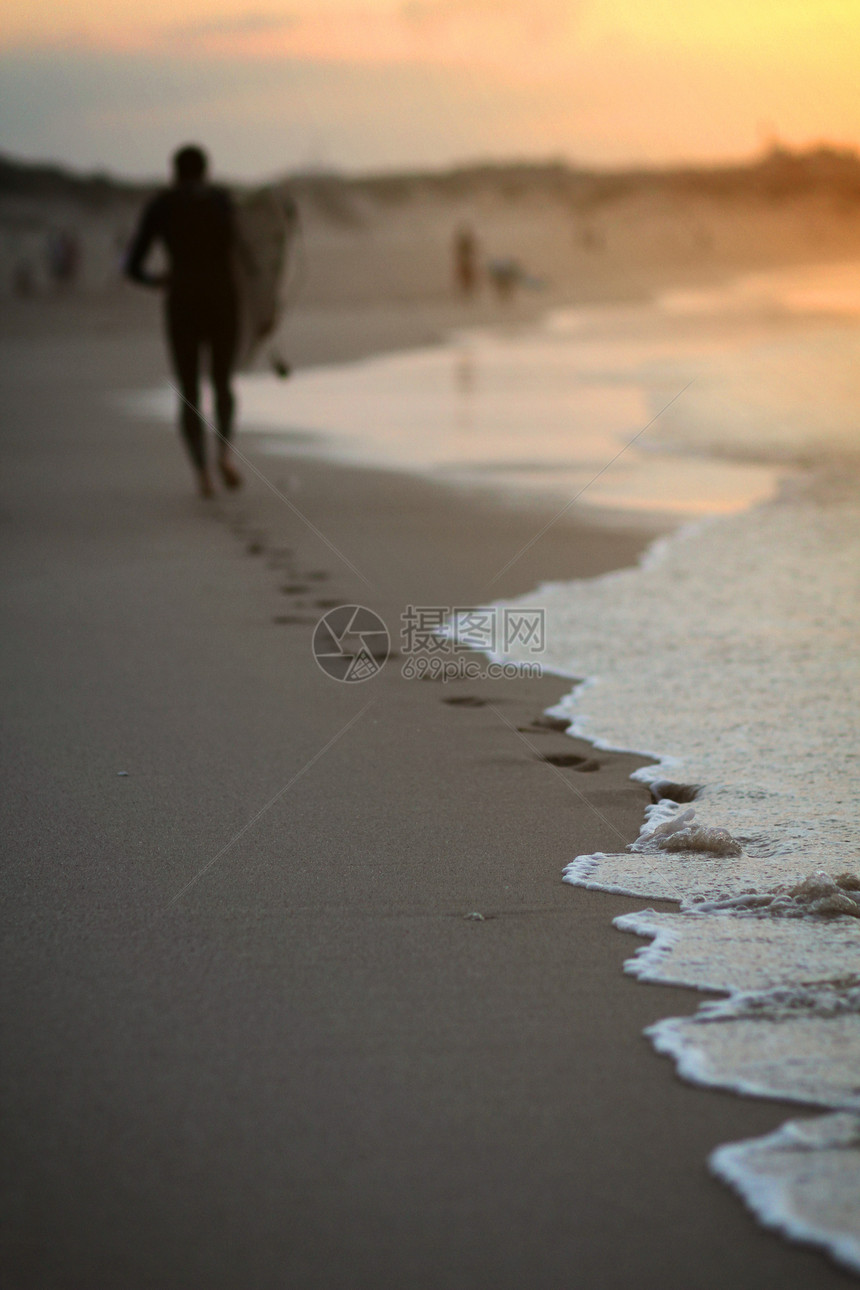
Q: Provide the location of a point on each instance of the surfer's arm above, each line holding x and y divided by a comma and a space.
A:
148, 232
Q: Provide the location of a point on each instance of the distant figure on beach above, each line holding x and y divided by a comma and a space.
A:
63, 253
195, 223
465, 260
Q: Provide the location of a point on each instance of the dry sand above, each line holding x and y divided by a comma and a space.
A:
310, 1069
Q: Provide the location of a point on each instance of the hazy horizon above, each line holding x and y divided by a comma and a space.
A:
378, 85
311, 170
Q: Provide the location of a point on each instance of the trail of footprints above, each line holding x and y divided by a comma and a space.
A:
298, 584
660, 789
302, 584
539, 726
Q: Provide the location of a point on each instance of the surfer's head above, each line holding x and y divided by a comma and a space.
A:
189, 164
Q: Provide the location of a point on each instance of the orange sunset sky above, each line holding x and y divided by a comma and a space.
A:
379, 84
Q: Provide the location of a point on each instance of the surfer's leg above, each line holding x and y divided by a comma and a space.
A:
223, 341
184, 339
224, 334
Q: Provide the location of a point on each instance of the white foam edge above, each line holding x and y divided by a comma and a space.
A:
669, 1037
647, 960
767, 1198
578, 873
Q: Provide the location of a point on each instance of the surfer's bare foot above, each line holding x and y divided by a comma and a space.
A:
205, 487
229, 473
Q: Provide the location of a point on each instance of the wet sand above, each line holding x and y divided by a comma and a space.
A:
310, 1068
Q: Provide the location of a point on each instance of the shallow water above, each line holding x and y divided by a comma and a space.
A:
543, 409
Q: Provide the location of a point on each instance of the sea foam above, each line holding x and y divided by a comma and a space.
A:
730, 656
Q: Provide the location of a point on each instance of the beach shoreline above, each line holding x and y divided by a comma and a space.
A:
246, 1052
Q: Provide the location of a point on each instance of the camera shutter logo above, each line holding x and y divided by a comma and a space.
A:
351, 643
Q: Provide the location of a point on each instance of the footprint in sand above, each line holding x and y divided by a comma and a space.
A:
572, 760
294, 589
466, 701
545, 726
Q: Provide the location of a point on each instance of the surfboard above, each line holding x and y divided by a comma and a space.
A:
266, 220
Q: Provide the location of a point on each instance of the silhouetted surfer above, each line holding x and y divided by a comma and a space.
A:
195, 222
